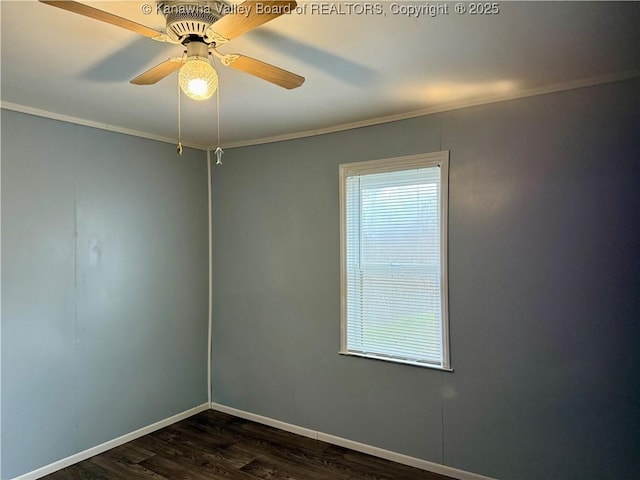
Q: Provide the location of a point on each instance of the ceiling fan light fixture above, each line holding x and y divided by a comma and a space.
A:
198, 79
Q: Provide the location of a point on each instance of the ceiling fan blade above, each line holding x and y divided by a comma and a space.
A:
157, 73
103, 16
265, 71
249, 15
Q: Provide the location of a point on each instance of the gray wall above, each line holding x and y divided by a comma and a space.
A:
104, 287
544, 270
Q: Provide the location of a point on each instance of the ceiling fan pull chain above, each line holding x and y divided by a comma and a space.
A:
218, 150
179, 148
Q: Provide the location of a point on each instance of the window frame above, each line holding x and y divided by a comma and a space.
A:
426, 160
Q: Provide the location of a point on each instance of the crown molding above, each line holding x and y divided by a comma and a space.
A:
531, 92
16, 107
558, 87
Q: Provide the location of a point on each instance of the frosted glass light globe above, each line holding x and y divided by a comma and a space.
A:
198, 79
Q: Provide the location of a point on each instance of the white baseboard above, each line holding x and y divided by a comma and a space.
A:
401, 458
306, 432
357, 446
78, 457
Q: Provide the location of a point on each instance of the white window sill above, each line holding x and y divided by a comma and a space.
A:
397, 360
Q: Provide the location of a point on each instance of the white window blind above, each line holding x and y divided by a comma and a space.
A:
393, 261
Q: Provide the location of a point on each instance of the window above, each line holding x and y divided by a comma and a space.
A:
393, 216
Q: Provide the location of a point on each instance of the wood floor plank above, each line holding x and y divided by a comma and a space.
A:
84, 470
216, 446
130, 453
124, 470
233, 457
266, 470
169, 468
190, 434
204, 456
295, 463
159, 446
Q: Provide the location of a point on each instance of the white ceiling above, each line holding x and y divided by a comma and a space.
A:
359, 68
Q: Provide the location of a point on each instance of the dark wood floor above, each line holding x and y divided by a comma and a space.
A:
213, 445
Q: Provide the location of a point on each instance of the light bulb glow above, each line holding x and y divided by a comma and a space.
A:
197, 86
198, 79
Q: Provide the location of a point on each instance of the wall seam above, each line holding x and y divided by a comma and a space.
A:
449, 319
76, 232
210, 313
0, 303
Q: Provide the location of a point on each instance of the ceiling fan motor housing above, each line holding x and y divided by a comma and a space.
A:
197, 49
186, 18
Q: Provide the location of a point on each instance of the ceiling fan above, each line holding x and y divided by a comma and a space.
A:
200, 26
